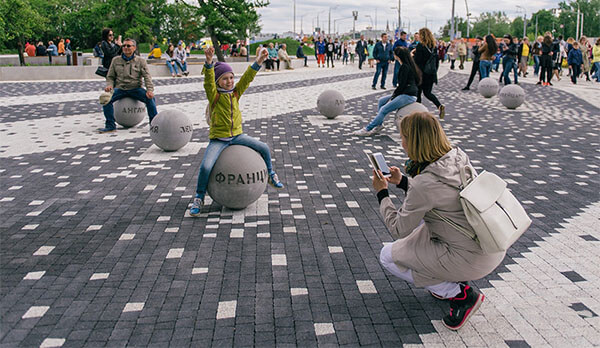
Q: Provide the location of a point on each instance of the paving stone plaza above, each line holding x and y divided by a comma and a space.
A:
97, 247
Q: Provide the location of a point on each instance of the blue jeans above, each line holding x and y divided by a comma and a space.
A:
508, 64
385, 106
172, 68
213, 151
382, 68
597, 73
536, 65
396, 71
182, 65
137, 94
485, 67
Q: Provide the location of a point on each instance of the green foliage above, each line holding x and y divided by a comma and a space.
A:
568, 17
291, 46
19, 21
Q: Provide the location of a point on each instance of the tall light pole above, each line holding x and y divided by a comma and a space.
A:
399, 15
294, 17
355, 17
524, 20
577, 26
329, 25
426, 21
452, 29
468, 15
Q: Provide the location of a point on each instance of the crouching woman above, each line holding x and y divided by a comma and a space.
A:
428, 251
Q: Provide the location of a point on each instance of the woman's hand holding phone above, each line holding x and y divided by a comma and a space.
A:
396, 176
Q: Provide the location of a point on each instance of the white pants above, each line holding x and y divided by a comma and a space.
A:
444, 289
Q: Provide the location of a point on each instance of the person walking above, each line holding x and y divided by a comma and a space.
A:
487, 51
383, 54
508, 58
536, 52
475, 67
596, 59
330, 50
524, 50
371, 48
575, 61
426, 60
584, 47
546, 61
362, 51
462, 52
320, 49
427, 251
452, 53
409, 78
401, 42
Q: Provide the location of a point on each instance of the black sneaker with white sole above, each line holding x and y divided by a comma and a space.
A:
462, 307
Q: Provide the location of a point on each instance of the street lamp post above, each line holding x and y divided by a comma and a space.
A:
370, 18
468, 15
452, 29
329, 25
577, 26
355, 17
524, 20
294, 17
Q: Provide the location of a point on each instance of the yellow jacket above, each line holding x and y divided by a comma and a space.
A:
155, 53
596, 54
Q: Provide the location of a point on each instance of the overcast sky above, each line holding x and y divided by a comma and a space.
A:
278, 16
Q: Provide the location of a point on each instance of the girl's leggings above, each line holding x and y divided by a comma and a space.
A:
321, 59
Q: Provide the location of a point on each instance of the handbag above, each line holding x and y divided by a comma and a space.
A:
102, 71
495, 215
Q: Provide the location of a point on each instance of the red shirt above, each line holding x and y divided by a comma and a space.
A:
30, 50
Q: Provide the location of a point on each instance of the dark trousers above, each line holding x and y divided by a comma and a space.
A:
330, 58
474, 70
361, 59
136, 93
396, 71
382, 68
575, 72
426, 87
305, 59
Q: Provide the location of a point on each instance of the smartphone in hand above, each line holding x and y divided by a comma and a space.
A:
378, 163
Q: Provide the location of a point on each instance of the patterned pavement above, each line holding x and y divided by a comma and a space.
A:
96, 248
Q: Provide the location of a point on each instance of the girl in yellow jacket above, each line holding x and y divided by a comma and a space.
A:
226, 120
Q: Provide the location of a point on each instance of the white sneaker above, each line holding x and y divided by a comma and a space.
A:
362, 132
376, 130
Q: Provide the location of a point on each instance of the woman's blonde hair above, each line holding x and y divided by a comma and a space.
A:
424, 136
427, 37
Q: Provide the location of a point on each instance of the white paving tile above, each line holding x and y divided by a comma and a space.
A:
279, 260
366, 287
133, 307
34, 275
175, 253
35, 312
52, 342
322, 329
226, 309
99, 276
44, 250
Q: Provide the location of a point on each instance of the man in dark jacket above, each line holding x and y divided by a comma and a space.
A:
383, 54
475, 67
300, 53
361, 46
401, 42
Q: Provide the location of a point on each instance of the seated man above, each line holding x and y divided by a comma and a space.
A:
181, 58
155, 53
125, 76
283, 56
300, 53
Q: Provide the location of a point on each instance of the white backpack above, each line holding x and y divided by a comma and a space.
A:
495, 215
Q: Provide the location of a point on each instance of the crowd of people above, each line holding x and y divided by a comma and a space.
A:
52, 50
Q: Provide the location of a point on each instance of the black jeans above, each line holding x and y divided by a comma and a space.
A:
474, 70
330, 58
546, 64
426, 87
575, 72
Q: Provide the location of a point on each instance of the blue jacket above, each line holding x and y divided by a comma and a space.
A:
381, 54
300, 52
321, 47
575, 57
400, 43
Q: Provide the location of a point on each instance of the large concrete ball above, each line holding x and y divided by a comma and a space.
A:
488, 87
512, 96
238, 178
171, 130
409, 109
129, 112
331, 103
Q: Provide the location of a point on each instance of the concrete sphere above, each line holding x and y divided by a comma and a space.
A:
129, 112
488, 87
238, 178
512, 96
331, 103
171, 130
409, 109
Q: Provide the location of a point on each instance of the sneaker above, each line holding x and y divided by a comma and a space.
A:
466, 89
439, 297
106, 130
186, 73
196, 206
550, 83
376, 130
539, 83
374, 88
383, 87
362, 133
274, 181
462, 307
442, 111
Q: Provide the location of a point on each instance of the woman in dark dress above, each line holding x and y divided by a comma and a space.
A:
426, 50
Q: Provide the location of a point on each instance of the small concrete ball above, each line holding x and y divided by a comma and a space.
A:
171, 130
331, 103
512, 96
238, 178
488, 87
129, 112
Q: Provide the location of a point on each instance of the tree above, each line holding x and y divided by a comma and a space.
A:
20, 21
496, 23
227, 20
568, 17
181, 23
460, 26
546, 21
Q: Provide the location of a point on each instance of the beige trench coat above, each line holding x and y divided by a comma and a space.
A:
432, 249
